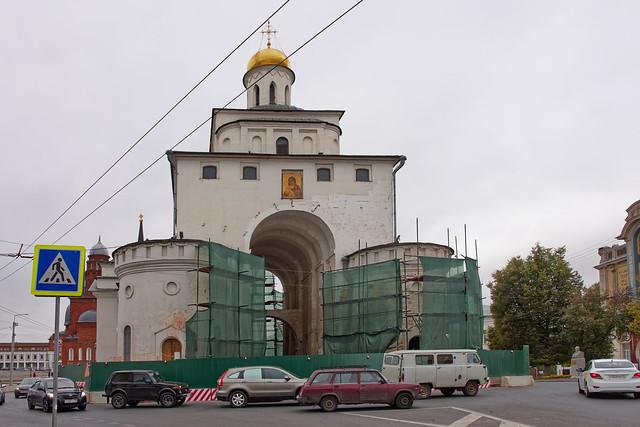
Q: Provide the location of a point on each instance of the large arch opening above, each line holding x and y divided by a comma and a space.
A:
297, 247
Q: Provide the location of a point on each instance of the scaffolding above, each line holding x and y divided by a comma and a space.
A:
451, 304
273, 300
362, 308
232, 321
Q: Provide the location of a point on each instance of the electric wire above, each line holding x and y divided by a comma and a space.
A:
128, 150
191, 133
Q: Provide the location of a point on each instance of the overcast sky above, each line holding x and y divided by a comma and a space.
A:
519, 119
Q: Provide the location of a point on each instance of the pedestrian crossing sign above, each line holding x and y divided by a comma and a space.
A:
58, 271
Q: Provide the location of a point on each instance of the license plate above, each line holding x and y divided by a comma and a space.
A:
71, 401
617, 376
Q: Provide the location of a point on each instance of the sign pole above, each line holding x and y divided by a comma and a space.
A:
56, 358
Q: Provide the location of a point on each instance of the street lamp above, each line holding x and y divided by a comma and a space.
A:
13, 345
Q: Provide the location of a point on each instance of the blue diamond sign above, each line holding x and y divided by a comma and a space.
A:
58, 271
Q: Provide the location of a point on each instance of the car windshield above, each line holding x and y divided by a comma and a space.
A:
156, 377
28, 381
613, 364
62, 383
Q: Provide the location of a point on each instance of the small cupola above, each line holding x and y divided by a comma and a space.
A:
269, 77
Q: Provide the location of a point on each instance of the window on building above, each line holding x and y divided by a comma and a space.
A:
209, 172
282, 146
287, 95
127, 343
250, 173
323, 174
70, 354
272, 93
256, 94
362, 175
79, 354
88, 354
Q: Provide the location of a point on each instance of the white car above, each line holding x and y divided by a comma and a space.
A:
609, 376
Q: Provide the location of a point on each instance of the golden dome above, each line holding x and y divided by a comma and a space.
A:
268, 56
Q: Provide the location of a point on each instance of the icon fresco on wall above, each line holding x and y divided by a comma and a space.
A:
292, 184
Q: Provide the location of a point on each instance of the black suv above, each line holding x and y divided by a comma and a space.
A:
131, 387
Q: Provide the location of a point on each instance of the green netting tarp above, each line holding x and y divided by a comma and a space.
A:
451, 304
232, 322
362, 309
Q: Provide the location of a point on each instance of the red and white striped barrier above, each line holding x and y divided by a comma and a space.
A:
201, 394
80, 384
486, 385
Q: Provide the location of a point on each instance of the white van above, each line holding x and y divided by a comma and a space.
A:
445, 370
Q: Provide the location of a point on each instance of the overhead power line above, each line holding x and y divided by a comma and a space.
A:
128, 150
22, 317
108, 199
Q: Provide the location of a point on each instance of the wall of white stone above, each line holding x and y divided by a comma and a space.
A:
227, 210
256, 131
156, 296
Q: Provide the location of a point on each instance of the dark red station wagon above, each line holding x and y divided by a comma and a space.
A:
330, 387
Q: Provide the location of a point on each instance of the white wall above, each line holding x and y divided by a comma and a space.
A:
152, 310
256, 131
227, 210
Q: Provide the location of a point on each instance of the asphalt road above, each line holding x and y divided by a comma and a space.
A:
547, 404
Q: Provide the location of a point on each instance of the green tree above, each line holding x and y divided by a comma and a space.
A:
590, 323
530, 297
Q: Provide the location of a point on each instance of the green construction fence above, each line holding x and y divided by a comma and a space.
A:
203, 373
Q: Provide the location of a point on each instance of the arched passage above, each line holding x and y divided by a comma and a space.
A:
297, 247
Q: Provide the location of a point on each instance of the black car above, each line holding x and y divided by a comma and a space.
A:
2, 386
132, 387
69, 396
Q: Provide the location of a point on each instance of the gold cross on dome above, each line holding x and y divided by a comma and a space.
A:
269, 31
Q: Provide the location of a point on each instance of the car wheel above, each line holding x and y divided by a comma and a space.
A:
425, 391
587, 393
16, 395
82, 406
238, 399
636, 395
118, 400
168, 400
133, 403
471, 388
329, 403
448, 391
404, 401
46, 407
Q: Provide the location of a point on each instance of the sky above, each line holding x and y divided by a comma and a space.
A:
519, 119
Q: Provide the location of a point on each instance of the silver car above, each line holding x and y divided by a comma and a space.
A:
240, 386
609, 376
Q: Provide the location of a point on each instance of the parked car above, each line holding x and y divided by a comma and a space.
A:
22, 389
609, 376
2, 386
69, 396
240, 386
330, 387
445, 370
132, 387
